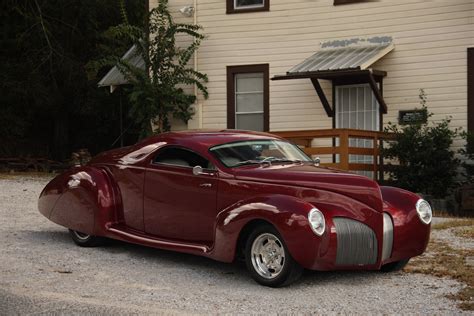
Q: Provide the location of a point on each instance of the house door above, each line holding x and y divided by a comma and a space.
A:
357, 108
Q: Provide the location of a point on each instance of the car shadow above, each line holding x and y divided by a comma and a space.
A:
134, 251
235, 272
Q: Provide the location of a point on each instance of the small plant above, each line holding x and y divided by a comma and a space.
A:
426, 163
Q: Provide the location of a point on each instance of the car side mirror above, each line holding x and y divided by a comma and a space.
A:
317, 161
198, 170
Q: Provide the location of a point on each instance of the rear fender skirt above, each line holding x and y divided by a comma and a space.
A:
81, 199
410, 235
287, 214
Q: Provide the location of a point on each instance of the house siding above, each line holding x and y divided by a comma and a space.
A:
430, 37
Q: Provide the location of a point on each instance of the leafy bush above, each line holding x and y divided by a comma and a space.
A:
426, 163
156, 92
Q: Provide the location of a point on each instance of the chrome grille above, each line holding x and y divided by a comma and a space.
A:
387, 236
356, 242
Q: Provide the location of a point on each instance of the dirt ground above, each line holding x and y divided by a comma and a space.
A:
43, 272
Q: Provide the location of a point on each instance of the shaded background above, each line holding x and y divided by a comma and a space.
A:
50, 104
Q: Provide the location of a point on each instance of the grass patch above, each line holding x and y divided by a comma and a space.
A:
465, 232
441, 260
454, 223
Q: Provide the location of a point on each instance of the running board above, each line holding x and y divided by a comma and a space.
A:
157, 243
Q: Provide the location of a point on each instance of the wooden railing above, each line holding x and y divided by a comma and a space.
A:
343, 149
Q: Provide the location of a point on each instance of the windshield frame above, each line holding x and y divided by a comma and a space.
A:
212, 152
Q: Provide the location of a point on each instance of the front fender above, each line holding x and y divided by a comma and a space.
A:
287, 214
410, 234
81, 199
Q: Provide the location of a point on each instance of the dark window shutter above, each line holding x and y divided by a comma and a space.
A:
470, 89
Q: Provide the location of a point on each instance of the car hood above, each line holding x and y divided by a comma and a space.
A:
355, 186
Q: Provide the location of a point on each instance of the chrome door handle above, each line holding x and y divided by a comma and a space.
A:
205, 185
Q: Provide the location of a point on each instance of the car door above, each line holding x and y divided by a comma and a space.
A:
179, 205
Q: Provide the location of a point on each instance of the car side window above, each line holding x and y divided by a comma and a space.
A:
181, 157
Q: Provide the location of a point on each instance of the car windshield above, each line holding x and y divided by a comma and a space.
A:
258, 152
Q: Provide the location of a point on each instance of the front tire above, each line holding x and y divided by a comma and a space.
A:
394, 266
268, 260
84, 240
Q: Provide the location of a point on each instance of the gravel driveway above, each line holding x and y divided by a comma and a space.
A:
43, 272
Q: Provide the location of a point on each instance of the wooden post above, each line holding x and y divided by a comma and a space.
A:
344, 147
376, 157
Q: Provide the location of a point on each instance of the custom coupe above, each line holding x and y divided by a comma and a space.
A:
237, 194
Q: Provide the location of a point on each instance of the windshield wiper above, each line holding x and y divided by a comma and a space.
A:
248, 162
283, 160
268, 160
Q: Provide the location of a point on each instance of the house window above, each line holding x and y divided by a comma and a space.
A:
242, 6
248, 97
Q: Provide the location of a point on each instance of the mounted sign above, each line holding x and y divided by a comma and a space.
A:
412, 117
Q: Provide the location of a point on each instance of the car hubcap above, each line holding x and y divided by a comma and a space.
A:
268, 256
81, 236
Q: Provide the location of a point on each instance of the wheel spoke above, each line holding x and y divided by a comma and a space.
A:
268, 255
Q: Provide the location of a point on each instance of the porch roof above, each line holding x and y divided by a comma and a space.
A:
341, 59
355, 54
114, 77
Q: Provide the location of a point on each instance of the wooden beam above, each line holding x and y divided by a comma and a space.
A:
322, 96
470, 89
378, 95
320, 74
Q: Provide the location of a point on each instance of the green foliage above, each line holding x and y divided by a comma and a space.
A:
468, 153
157, 91
426, 162
49, 106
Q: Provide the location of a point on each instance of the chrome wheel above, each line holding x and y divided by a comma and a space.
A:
81, 236
84, 240
268, 255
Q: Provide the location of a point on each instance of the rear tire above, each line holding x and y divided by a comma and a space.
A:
268, 259
394, 266
84, 240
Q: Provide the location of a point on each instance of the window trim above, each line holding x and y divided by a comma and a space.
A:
340, 2
231, 9
231, 72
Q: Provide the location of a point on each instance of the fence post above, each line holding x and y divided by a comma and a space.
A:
344, 149
376, 156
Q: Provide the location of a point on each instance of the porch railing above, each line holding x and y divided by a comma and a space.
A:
341, 148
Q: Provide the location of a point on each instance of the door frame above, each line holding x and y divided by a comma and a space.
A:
349, 82
352, 81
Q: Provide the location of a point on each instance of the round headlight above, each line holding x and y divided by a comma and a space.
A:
316, 221
424, 211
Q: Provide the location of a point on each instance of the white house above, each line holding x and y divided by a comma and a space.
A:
276, 65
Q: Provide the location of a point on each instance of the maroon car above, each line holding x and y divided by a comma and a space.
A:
235, 194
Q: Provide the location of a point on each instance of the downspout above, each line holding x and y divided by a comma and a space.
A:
199, 106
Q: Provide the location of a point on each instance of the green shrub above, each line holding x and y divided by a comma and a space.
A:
426, 163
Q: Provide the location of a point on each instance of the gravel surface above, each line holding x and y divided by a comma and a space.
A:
43, 272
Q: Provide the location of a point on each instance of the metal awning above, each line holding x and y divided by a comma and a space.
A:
114, 77
343, 59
